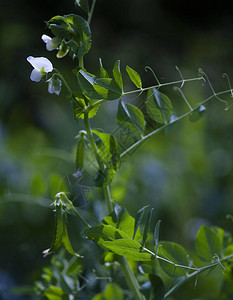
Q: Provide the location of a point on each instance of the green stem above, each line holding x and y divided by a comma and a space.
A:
81, 218
162, 85
146, 137
64, 81
108, 199
129, 275
91, 139
197, 272
91, 12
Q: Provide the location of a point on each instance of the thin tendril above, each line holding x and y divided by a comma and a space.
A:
156, 78
176, 88
183, 81
212, 89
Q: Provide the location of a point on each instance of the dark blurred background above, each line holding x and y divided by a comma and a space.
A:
186, 176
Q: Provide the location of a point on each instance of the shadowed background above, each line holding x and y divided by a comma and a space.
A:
186, 176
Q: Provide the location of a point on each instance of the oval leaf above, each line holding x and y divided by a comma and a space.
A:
207, 243
135, 77
117, 75
159, 106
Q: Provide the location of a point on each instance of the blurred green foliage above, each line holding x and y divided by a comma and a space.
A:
186, 175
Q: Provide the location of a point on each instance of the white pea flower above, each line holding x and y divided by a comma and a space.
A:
51, 43
54, 85
41, 67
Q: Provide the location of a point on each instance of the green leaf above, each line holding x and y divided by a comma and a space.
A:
101, 233
156, 236
86, 82
113, 292
80, 152
158, 287
74, 30
107, 88
135, 77
177, 255
117, 75
82, 5
63, 50
207, 243
110, 156
121, 219
103, 72
147, 226
129, 115
158, 106
197, 113
54, 293
131, 249
138, 219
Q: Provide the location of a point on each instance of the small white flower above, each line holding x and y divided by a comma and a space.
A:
41, 66
51, 43
54, 85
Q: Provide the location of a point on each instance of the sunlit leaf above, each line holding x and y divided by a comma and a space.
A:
101, 233
54, 293
135, 77
113, 292
107, 88
117, 75
131, 249
86, 82
103, 72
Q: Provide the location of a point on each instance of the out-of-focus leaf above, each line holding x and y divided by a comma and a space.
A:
113, 292
158, 287
54, 293
135, 77
37, 185
197, 113
82, 5
176, 254
207, 243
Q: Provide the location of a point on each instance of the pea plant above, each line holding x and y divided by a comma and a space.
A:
121, 243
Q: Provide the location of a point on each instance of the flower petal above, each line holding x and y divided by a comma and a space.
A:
40, 62
35, 75
50, 45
